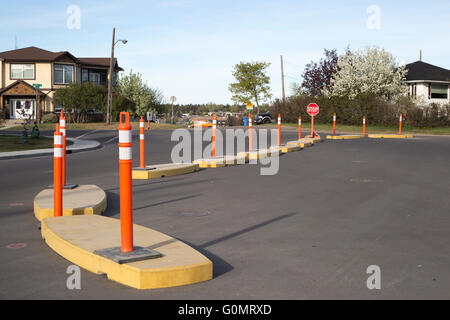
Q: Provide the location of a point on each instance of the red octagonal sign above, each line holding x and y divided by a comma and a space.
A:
312, 109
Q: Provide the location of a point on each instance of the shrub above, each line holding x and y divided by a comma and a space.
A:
49, 118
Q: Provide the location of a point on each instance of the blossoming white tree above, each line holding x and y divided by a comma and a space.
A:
369, 71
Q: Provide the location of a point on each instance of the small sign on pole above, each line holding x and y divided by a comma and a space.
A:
249, 105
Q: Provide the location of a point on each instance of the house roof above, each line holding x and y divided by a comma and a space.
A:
15, 83
424, 71
34, 54
99, 62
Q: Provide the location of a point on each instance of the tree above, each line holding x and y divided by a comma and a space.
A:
80, 98
252, 83
133, 88
317, 75
371, 71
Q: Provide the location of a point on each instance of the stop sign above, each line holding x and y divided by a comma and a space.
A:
312, 109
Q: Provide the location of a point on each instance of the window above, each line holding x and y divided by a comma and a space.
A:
63, 74
22, 71
84, 75
439, 91
94, 77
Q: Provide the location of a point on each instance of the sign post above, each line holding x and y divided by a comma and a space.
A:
313, 110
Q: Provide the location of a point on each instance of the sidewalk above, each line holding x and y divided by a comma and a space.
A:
77, 146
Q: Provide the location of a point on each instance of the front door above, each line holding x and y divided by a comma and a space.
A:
22, 108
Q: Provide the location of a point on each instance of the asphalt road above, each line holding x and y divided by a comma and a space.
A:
308, 232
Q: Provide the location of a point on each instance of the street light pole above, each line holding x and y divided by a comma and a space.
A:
108, 112
111, 66
172, 99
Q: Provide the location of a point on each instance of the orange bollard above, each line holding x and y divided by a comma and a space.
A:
148, 124
57, 172
250, 137
279, 129
364, 126
126, 195
299, 127
334, 124
400, 124
62, 129
142, 142
213, 152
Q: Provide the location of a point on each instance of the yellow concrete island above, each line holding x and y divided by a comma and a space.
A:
82, 200
258, 154
391, 136
163, 170
220, 162
303, 143
285, 148
77, 237
345, 137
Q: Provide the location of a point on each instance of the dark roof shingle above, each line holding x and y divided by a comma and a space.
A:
424, 71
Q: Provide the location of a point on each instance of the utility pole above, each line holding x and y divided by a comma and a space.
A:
108, 112
172, 99
282, 81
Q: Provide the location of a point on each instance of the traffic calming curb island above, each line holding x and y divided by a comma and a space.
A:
390, 136
345, 137
76, 238
163, 170
286, 148
82, 200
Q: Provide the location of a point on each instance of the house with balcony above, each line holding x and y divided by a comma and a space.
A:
30, 76
428, 83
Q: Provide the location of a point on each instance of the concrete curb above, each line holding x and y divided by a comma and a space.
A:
345, 137
83, 200
76, 238
77, 146
286, 148
164, 170
390, 136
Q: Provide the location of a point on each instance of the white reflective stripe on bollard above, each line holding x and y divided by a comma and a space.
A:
141, 124
62, 123
58, 140
57, 152
124, 136
125, 153
141, 136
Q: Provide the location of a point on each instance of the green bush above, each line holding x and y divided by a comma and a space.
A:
49, 118
378, 111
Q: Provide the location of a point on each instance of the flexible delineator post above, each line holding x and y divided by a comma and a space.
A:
364, 125
214, 136
126, 195
142, 143
400, 124
62, 129
57, 172
299, 127
279, 129
250, 137
334, 124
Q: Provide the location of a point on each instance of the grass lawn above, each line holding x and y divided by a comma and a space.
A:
13, 143
306, 127
101, 126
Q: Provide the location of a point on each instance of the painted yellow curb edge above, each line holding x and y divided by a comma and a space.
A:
163, 172
42, 213
391, 136
345, 137
128, 274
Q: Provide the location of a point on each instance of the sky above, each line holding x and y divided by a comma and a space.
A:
187, 48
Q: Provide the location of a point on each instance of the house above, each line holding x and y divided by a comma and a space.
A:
21, 69
429, 83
